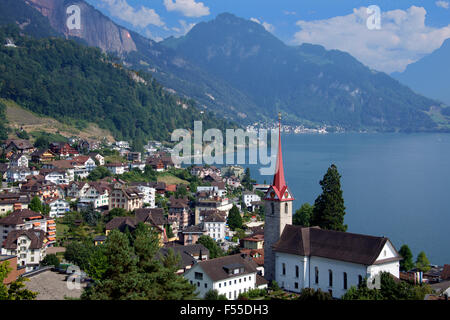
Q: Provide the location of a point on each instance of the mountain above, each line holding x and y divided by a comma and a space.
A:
430, 75
238, 70
77, 84
305, 82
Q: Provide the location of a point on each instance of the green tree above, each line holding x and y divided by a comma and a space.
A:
99, 173
214, 295
407, 263
50, 260
234, 218
422, 262
309, 294
247, 181
302, 216
329, 209
35, 204
15, 290
214, 250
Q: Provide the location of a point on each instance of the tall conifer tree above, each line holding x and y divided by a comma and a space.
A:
329, 209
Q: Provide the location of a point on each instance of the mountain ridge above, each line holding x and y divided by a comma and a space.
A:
307, 83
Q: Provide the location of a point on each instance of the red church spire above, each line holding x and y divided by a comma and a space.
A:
278, 178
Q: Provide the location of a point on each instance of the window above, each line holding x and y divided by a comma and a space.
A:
296, 285
199, 276
360, 279
330, 278
198, 284
286, 208
220, 285
316, 272
273, 208
284, 269
206, 285
297, 271
345, 280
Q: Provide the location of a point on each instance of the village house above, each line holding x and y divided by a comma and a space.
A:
153, 217
214, 223
41, 188
203, 171
58, 176
10, 202
156, 164
95, 194
255, 241
178, 214
125, 198
42, 156
18, 146
117, 168
250, 199
211, 203
18, 160
58, 207
27, 245
63, 149
83, 165
149, 191
137, 165
18, 174
257, 256
229, 275
191, 234
97, 156
134, 156
26, 219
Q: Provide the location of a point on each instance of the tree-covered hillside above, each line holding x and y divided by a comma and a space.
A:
3, 130
72, 82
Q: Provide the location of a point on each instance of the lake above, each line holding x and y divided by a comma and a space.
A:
394, 185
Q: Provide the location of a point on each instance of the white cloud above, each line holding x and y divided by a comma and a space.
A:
188, 8
142, 17
403, 38
289, 13
443, 4
269, 27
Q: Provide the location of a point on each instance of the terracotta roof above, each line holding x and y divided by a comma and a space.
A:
18, 217
344, 246
216, 268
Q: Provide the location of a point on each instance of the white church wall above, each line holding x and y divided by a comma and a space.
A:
289, 279
338, 268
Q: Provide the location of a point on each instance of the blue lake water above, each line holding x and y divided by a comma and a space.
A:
394, 185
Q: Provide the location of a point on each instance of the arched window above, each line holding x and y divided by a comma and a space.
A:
286, 207
345, 280
316, 271
297, 271
330, 278
273, 208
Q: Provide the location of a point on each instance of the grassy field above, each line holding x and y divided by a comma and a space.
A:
169, 178
19, 117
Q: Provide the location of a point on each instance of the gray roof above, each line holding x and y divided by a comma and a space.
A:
215, 268
344, 246
186, 253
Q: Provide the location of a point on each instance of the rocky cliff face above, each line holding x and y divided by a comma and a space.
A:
79, 19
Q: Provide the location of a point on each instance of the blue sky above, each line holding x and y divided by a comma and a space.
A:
409, 29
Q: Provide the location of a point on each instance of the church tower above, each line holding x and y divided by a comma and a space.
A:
278, 202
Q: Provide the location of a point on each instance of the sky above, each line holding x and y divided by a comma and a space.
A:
386, 37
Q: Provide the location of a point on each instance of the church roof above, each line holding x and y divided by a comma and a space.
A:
279, 191
336, 245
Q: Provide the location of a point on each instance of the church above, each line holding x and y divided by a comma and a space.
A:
299, 257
